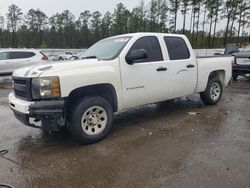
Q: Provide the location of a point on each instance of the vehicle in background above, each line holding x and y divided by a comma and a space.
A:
115, 74
231, 48
66, 55
78, 56
241, 65
75, 57
12, 59
52, 57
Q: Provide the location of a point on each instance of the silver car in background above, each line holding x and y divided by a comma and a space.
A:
12, 59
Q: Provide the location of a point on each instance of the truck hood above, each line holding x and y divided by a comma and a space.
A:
38, 70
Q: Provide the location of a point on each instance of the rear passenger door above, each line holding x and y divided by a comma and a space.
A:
183, 67
146, 80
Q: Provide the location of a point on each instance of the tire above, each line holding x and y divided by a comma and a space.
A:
235, 76
91, 119
213, 92
60, 59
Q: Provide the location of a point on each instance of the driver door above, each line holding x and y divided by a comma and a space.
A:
145, 80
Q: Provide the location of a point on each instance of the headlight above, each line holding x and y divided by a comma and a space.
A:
45, 88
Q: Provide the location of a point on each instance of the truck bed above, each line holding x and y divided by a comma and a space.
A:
207, 64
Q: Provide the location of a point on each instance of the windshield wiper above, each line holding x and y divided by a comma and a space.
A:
89, 57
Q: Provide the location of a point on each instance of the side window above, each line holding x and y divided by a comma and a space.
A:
29, 54
177, 48
151, 46
21, 55
15, 55
68, 53
4, 56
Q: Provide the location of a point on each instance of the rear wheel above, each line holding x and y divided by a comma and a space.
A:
91, 119
213, 92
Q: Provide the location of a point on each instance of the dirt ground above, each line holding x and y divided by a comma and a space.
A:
172, 144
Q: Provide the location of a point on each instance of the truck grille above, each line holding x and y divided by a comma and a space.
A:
22, 88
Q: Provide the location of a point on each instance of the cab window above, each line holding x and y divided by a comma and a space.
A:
152, 47
177, 48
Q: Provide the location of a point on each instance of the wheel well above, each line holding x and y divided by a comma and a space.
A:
106, 91
218, 73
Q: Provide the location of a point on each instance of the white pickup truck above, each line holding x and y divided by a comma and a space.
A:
116, 73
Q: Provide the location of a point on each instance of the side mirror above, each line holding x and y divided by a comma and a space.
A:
136, 55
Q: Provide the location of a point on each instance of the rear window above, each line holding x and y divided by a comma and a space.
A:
21, 55
177, 48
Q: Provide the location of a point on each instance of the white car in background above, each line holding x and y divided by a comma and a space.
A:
67, 55
12, 59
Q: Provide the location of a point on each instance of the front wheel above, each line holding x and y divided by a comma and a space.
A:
91, 119
213, 92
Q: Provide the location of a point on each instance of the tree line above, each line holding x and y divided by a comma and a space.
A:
199, 22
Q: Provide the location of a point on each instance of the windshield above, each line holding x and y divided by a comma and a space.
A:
106, 49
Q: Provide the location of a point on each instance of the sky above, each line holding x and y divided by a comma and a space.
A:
51, 7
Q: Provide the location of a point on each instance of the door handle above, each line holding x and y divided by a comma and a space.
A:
162, 69
190, 66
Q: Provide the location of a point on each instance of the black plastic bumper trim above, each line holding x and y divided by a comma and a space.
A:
47, 108
24, 118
